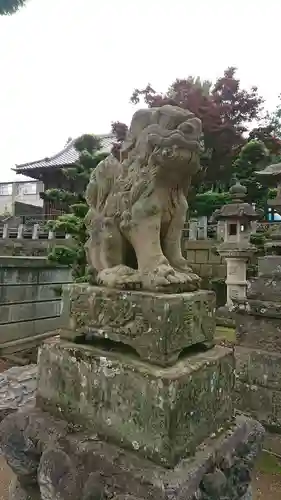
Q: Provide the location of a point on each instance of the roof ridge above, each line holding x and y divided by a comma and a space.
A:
68, 146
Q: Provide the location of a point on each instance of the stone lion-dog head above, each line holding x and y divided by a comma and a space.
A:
167, 137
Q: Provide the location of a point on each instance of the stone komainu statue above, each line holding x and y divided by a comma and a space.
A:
138, 205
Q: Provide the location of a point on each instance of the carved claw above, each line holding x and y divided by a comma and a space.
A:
165, 278
183, 267
120, 277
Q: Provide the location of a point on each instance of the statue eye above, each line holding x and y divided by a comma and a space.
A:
188, 129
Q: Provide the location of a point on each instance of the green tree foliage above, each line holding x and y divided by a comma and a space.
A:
270, 133
8, 7
75, 207
275, 119
253, 156
227, 112
204, 204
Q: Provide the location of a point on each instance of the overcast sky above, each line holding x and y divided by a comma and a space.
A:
69, 66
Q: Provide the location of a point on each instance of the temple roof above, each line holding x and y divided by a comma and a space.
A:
67, 156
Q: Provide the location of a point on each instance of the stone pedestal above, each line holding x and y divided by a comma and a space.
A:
236, 261
156, 326
133, 402
236, 280
258, 354
56, 461
164, 413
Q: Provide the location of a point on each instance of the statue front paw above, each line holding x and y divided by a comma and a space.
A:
120, 277
165, 278
181, 265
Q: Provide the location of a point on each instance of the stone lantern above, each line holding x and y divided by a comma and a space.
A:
239, 223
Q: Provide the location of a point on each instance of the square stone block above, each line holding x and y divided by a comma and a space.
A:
258, 385
262, 403
258, 368
265, 288
268, 265
258, 325
165, 413
157, 326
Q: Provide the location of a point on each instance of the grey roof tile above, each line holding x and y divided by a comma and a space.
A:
68, 156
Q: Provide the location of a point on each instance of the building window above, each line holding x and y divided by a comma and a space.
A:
6, 189
27, 188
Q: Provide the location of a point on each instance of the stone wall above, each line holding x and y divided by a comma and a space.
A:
30, 247
202, 256
18, 239
30, 300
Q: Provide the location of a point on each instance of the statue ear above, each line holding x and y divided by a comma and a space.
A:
156, 115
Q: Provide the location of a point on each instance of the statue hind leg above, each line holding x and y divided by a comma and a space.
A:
172, 243
105, 251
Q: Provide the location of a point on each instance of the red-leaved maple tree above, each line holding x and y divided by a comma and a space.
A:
226, 111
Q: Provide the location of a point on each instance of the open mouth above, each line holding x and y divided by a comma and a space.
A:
175, 139
179, 140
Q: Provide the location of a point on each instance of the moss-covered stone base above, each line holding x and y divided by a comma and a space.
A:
165, 413
258, 385
157, 326
52, 461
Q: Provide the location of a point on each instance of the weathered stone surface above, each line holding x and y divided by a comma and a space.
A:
224, 317
137, 207
162, 412
258, 367
29, 300
266, 288
17, 388
258, 385
258, 353
66, 465
259, 325
272, 442
249, 494
260, 402
268, 265
24, 492
157, 326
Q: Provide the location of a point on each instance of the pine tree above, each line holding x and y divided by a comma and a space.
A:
75, 208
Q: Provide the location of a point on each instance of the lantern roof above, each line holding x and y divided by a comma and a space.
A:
237, 208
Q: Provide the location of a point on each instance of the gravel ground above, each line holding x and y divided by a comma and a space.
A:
267, 486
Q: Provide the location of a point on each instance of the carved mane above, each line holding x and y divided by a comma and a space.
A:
137, 172
158, 159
